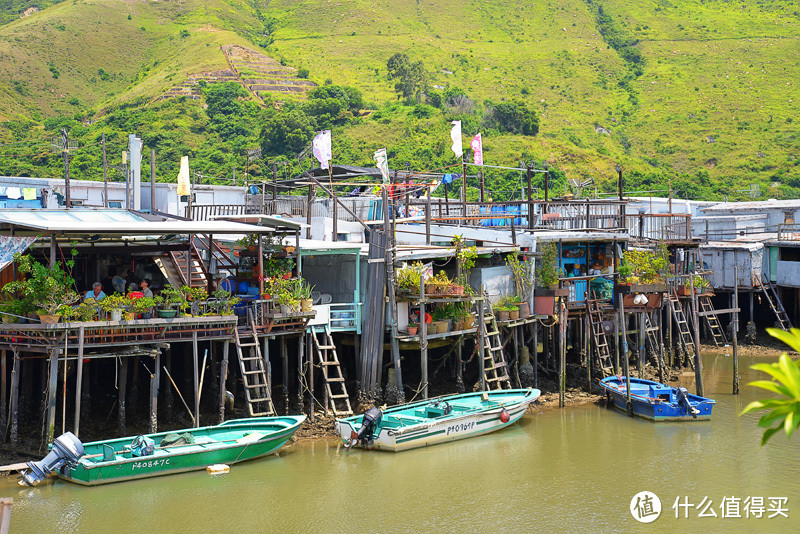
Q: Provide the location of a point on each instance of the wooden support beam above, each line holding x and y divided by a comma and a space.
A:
196, 379
481, 338
78, 383
624, 355
724, 311
3, 395
52, 387
122, 394
301, 351
310, 355
14, 402
735, 329
285, 360
223, 379
155, 382
535, 326
423, 341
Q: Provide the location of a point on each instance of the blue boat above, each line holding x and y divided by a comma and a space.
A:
656, 401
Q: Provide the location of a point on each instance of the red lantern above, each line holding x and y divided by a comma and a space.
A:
504, 417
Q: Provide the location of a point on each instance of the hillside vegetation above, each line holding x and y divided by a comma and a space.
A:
699, 94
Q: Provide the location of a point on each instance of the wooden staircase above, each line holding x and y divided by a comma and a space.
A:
685, 339
775, 303
495, 367
600, 340
255, 376
336, 397
714, 326
196, 273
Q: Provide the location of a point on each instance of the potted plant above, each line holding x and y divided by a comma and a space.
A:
287, 300
523, 281
413, 325
544, 296
193, 297
302, 292
438, 285
223, 302
172, 300
43, 289
441, 318
407, 277
86, 311
114, 305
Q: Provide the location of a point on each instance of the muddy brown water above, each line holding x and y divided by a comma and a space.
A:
569, 470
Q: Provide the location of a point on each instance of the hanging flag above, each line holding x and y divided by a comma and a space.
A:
183, 177
322, 148
455, 135
477, 149
383, 163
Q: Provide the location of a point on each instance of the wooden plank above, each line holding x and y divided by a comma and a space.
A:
13, 467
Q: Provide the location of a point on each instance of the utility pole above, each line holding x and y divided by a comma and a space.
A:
64, 144
105, 173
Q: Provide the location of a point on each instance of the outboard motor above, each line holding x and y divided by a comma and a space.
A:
683, 400
372, 418
67, 449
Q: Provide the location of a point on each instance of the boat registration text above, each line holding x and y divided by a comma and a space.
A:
460, 427
150, 463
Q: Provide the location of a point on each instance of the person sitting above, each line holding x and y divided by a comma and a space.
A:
96, 293
144, 285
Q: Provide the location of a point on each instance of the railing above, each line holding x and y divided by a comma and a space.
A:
579, 215
789, 232
660, 227
345, 317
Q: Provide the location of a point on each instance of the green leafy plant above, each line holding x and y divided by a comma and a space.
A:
784, 412
547, 265
521, 272
408, 277
466, 257
85, 311
171, 297
222, 302
43, 288
277, 267
114, 302
643, 266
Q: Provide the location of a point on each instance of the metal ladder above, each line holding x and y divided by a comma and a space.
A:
685, 338
495, 368
775, 303
599, 337
254, 373
331, 372
717, 333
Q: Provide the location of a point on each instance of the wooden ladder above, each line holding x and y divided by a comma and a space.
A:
495, 367
714, 326
335, 389
685, 338
254, 373
652, 339
599, 338
775, 302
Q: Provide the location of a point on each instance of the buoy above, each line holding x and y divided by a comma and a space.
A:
218, 469
504, 417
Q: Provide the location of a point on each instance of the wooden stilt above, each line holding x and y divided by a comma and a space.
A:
481, 338
223, 379
14, 402
423, 344
196, 379
698, 361
155, 381
122, 394
640, 339
536, 354
3, 395
285, 360
460, 365
301, 352
617, 344
670, 339
168, 396
735, 335
588, 348
516, 356
52, 388
311, 400
625, 359
562, 355
78, 384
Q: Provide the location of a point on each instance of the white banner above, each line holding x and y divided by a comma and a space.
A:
455, 135
383, 163
183, 177
322, 148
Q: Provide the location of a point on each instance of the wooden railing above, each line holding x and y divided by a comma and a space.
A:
789, 232
660, 227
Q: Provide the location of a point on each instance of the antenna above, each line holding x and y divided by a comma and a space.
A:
754, 191
63, 144
578, 186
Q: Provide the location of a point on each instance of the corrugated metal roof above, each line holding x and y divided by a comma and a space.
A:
755, 205
266, 220
114, 222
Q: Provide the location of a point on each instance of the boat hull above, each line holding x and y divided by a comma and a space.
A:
185, 458
453, 427
647, 406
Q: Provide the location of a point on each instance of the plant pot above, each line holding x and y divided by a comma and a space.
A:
305, 304
468, 322
266, 296
9, 319
167, 314
129, 316
432, 328
502, 315
285, 309
513, 315
49, 319
412, 330
524, 310
456, 289
684, 291
442, 326
115, 315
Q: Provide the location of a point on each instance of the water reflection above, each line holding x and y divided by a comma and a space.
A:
557, 470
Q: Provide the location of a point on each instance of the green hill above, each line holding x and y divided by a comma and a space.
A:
699, 92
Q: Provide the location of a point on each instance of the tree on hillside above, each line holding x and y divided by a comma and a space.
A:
514, 117
412, 78
286, 133
223, 98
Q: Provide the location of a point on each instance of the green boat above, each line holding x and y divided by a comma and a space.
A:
436, 421
233, 441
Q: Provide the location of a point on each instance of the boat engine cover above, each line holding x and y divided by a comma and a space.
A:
372, 418
67, 449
